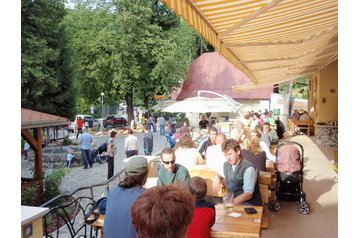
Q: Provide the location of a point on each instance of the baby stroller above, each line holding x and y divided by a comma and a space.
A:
289, 162
96, 154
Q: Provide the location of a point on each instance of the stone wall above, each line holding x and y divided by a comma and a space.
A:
54, 156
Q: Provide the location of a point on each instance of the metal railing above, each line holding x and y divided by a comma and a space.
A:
67, 211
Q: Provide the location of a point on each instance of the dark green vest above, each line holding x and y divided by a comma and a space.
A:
235, 181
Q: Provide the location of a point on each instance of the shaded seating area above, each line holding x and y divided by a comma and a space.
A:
32, 123
299, 125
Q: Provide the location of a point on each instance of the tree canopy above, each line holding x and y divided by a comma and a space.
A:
45, 82
127, 49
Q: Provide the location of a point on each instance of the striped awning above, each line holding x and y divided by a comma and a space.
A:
270, 41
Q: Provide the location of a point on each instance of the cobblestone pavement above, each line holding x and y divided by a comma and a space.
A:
79, 177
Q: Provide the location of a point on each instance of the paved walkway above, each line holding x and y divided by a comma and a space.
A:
79, 177
321, 187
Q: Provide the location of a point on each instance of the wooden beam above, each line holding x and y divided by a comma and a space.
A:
289, 42
285, 66
250, 17
38, 160
290, 58
35, 142
29, 138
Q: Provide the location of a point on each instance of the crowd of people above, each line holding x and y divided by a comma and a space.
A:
237, 157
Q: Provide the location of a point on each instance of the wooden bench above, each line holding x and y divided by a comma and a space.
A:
208, 175
267, 181
295, 125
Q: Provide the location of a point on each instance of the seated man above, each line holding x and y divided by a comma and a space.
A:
170, 172
205, 143
241, 177
268, 136
215, 157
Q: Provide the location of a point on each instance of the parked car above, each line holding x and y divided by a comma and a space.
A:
114, 121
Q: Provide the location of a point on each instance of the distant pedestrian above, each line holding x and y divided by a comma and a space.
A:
151, 124
90, 124
111, 151
85, 141
26, 149
147, 141
79, 126
131, 144
172, 124
161, 122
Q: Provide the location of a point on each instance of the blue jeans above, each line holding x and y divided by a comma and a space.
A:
86, 157
162, 132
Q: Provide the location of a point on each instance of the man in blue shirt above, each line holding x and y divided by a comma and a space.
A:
85, 141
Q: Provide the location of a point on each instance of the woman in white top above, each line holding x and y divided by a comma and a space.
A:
185, 152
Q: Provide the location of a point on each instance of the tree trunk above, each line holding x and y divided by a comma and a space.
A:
286, 103
130, 107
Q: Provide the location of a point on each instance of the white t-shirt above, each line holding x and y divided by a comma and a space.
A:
215, 159
188, 157
131, 143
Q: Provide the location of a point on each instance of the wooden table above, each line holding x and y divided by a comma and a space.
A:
98, 224
247, 225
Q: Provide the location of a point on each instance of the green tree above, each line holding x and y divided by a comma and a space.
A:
45, 76
127, 50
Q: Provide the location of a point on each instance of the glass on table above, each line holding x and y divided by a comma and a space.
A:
228, 201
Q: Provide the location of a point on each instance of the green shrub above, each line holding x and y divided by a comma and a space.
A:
67, 141
29, 196
52, 183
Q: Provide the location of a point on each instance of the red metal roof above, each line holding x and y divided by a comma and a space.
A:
35, 119
212, 72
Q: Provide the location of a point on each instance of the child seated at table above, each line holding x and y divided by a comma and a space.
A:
204, 213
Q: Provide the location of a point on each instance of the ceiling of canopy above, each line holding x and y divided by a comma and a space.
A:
270, 41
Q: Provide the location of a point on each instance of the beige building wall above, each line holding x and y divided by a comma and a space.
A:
323, 103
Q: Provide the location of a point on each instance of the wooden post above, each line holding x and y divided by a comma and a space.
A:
35, 142
38, 160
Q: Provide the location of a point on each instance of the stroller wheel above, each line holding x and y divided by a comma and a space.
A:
274, 206
304, 208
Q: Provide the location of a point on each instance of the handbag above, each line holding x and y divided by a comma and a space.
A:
99, 208
95, 211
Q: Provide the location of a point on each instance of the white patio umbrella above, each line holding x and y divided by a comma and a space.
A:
203, 104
